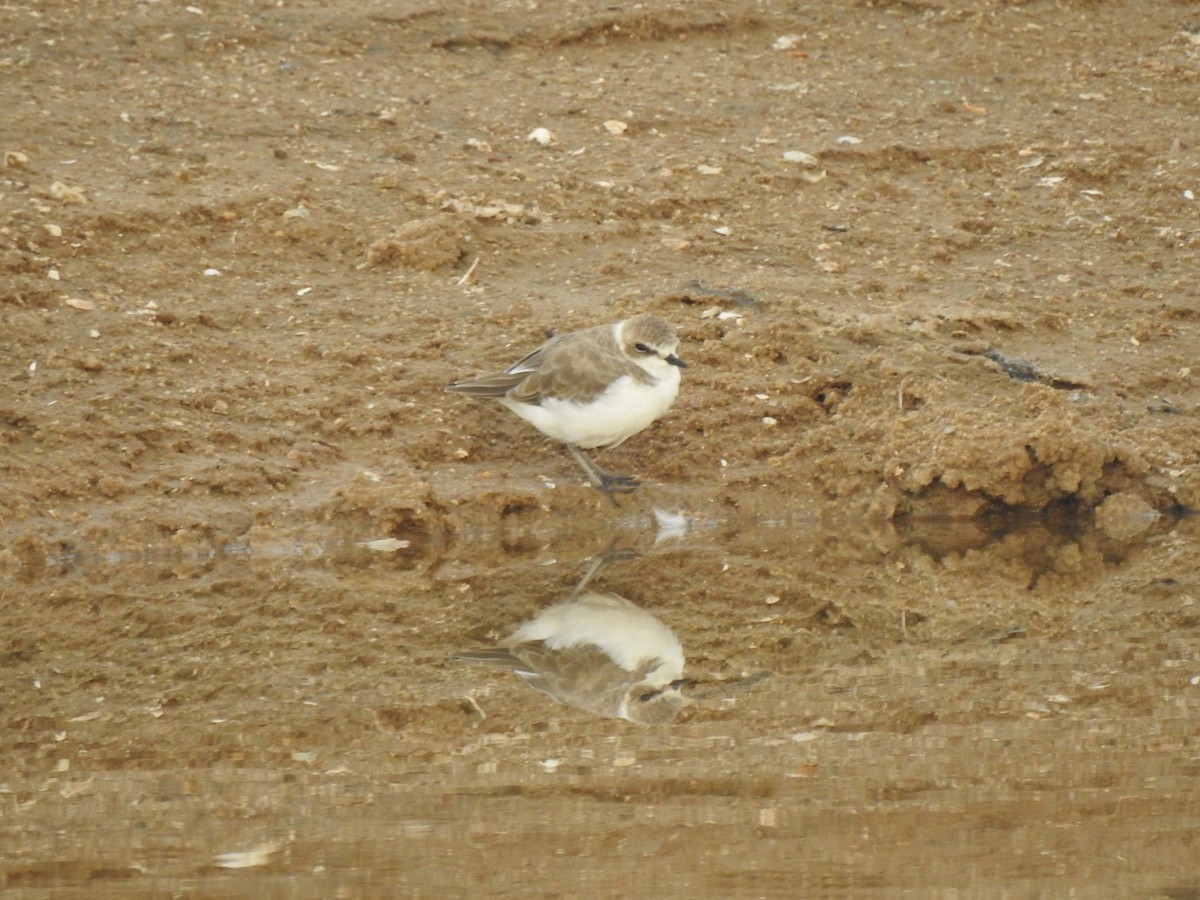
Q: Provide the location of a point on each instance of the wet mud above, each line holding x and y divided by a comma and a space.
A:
920, 516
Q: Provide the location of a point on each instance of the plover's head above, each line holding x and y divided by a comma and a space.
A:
649, 704
649, 341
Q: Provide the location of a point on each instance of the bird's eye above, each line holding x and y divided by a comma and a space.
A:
642, 348
648, 696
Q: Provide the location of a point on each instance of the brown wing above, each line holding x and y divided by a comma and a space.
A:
583, 676
577, 368
500, 657
500, 383
488, 385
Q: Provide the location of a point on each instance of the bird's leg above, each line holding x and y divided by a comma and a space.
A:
611, 554
610, 484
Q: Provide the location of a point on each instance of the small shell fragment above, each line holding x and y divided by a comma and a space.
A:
543, 136
670, 524
78, 303
385, 545
785, 42
615, 126
799, 156
66, 193
245, 859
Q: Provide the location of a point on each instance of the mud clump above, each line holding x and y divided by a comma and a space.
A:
421, 245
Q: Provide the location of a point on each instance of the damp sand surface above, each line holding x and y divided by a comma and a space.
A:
925, 542
949, 710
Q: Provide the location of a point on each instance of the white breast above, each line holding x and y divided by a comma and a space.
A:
627, 634
622, 410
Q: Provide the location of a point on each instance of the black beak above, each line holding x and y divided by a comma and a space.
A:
681, 683
676, 361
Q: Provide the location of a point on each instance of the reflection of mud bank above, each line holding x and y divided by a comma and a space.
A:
1068, 551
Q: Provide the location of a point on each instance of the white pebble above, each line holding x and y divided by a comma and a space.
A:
543, 136
799, 156
384, 545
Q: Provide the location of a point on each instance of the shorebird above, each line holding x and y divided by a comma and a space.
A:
599, 653
591, 388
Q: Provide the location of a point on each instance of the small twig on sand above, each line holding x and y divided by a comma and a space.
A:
467, 275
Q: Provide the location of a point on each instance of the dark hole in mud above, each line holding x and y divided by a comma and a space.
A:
831, 394
831, 616
517, 507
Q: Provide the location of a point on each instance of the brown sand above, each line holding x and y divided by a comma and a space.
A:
928, 260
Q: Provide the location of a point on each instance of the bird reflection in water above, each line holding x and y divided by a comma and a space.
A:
599, 653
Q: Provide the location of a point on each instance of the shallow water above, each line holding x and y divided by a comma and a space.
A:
946, 709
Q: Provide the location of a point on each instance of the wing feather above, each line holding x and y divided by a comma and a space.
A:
575, 367
577, 370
